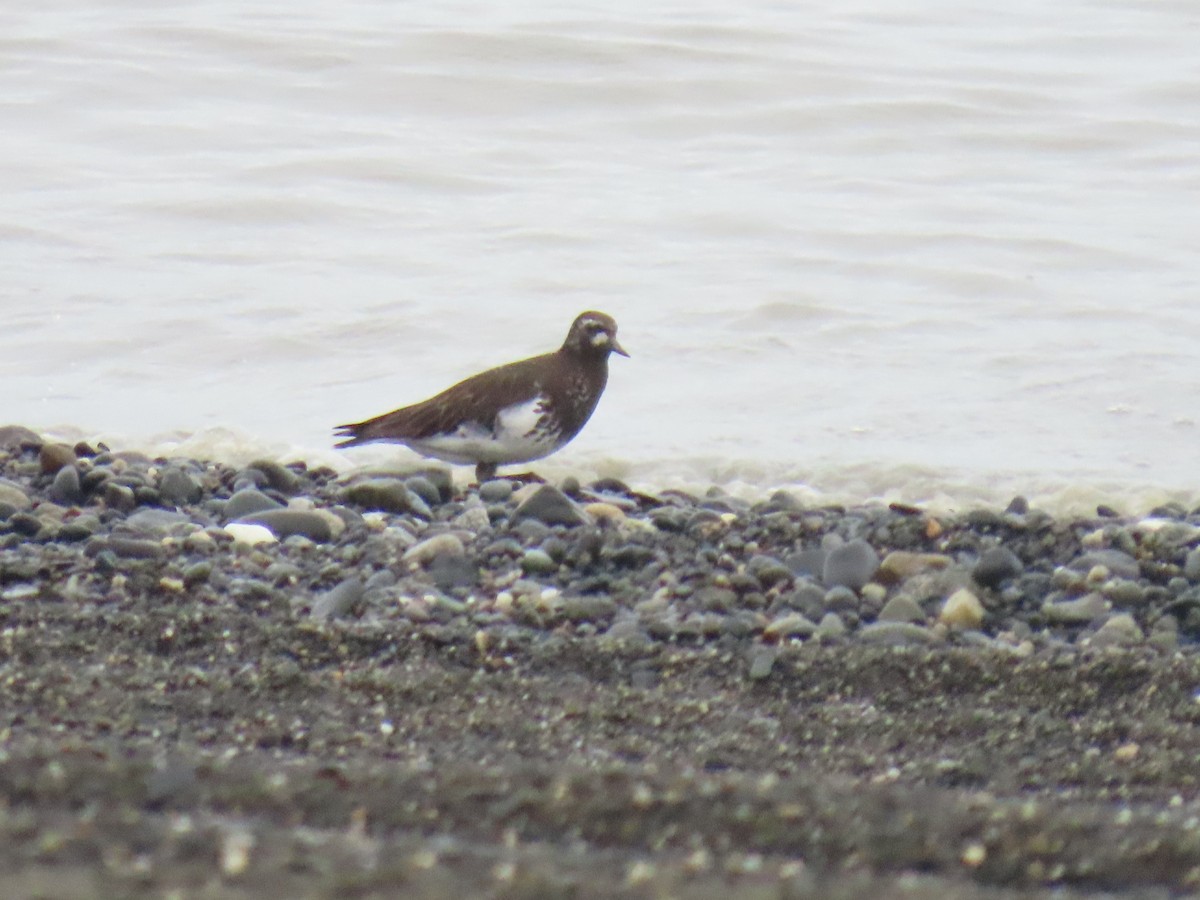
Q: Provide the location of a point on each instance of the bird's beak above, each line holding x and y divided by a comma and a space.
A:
617, 348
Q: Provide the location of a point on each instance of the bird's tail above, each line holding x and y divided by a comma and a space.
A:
354, 434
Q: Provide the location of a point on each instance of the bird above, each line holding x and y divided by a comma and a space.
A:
514, 413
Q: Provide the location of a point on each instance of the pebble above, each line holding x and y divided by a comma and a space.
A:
14, 495
902, 609
134, 548
337, 602
426, 551
1191, 565
156, 521
900, 565
53, 457
768, 570
962, 609
66, 487
792, 625
1119, 631
1117, 562
498, 490
386, 495
119, 497
831, 626
550, 506
896, 633
605, 513
179, 488
248, 501
425, 489
1084, 609
761, 663
996, 565
851, 565
250, 535
538, 562
284, 523
279, 477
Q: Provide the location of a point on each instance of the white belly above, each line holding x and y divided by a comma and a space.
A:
517, 439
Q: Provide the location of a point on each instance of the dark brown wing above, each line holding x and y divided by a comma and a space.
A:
475, 399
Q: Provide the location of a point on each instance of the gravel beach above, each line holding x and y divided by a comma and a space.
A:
277, 681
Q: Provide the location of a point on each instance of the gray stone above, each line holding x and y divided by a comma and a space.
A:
589, 608
119, 497
1084, 609
896, 634
386, 495
66, 488
1119, 631
248, 501
1117, 562
179, 488
337, 602
792, 625
18, 437
156, 521
761, 663
425, 489
14, 495
550, 506
852, 565
426, 551
134, 548
1191, 565
902, 609
830, 627
996, 565
538, 562
807, 562
498, 490
284, 523
768, 570
281, 478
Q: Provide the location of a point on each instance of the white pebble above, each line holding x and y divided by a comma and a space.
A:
250, 535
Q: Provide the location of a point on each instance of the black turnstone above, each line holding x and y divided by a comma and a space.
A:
511, 414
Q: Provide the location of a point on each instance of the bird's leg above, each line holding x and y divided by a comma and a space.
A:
485, 471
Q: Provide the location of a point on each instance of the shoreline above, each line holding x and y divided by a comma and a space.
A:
266, 678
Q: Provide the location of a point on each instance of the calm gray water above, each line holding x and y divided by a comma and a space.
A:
914, 249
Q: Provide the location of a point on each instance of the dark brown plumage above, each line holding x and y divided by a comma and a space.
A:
514, 413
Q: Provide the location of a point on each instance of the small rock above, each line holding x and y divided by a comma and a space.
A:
426, 551
1085, 609
962, 609
18, 437
250, 535
589, 608
386, 495
14, 495
792, 625
66, 488
902, 609
336, 602
761, 663
851, 565
1191, 565
119, 497
1117, 562
1119, 631
768, 570
279, 477
996, 565
538, 562
830, 627
550, 506
498, 490
53, 457
605, 513
807, 562
425, 489
134, 548
179, 488
1018, 506
248, 501
900, 565
896, 633
284, 523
